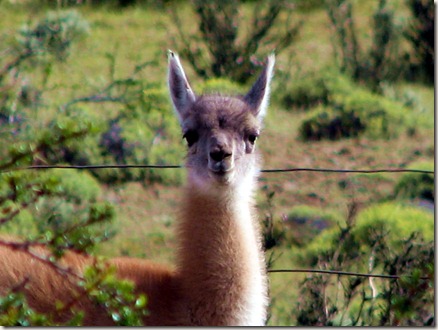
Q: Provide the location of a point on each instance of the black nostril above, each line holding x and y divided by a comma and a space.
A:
219, 155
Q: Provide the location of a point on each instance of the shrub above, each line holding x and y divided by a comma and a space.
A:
396, 222
46, 211
390, 238
417, 185
145, 133
381, 61
316, 88
346, 110
332, 124
219, 48
310, 92
421, 34
399, 221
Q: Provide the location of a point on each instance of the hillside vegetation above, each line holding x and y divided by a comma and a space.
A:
86, 85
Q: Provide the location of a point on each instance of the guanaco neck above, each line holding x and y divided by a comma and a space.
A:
220, 260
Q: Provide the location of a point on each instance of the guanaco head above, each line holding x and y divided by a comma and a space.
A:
221, 131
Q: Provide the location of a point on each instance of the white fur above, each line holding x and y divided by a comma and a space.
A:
269, 74
255, 299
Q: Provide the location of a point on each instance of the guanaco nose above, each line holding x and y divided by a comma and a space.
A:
219, 154
220, 148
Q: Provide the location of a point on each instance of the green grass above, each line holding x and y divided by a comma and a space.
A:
146, 215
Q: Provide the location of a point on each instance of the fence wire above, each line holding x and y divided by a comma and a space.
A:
341, 273
280, 170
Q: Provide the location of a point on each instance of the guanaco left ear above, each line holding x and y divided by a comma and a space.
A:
258, 96
181, 93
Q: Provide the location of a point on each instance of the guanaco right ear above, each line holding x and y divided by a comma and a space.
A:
181, 93
258, 96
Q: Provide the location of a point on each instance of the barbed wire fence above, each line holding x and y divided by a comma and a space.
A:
277, 170
267, 171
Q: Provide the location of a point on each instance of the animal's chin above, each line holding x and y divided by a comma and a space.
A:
222, 177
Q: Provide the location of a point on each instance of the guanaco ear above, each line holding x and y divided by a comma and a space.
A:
180, 91
258, 96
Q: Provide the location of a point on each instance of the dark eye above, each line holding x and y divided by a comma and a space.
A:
252, 138
191, 137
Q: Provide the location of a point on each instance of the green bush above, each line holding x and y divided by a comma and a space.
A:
417, 185
315, 88
61, 206
332, 124
218, 48
396, 222
143, 132
399, 221
342, 109
390, 239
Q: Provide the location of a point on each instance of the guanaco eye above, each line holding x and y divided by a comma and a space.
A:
252, 138
191, 137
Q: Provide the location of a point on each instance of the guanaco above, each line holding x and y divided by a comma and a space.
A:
220, 276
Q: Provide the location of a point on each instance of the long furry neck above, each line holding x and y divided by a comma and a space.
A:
220, 259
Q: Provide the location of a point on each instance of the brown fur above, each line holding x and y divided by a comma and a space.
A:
45, 286
216, 287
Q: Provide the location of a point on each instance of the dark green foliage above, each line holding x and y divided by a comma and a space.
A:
122, 304
416, 185
388, 239
332, 124
343, 109
14, 311
421, 33
219, 48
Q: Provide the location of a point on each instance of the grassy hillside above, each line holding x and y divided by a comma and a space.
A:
118, 40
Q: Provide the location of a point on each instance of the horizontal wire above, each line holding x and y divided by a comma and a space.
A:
284, 170
330, 272
395, 170
342, 273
